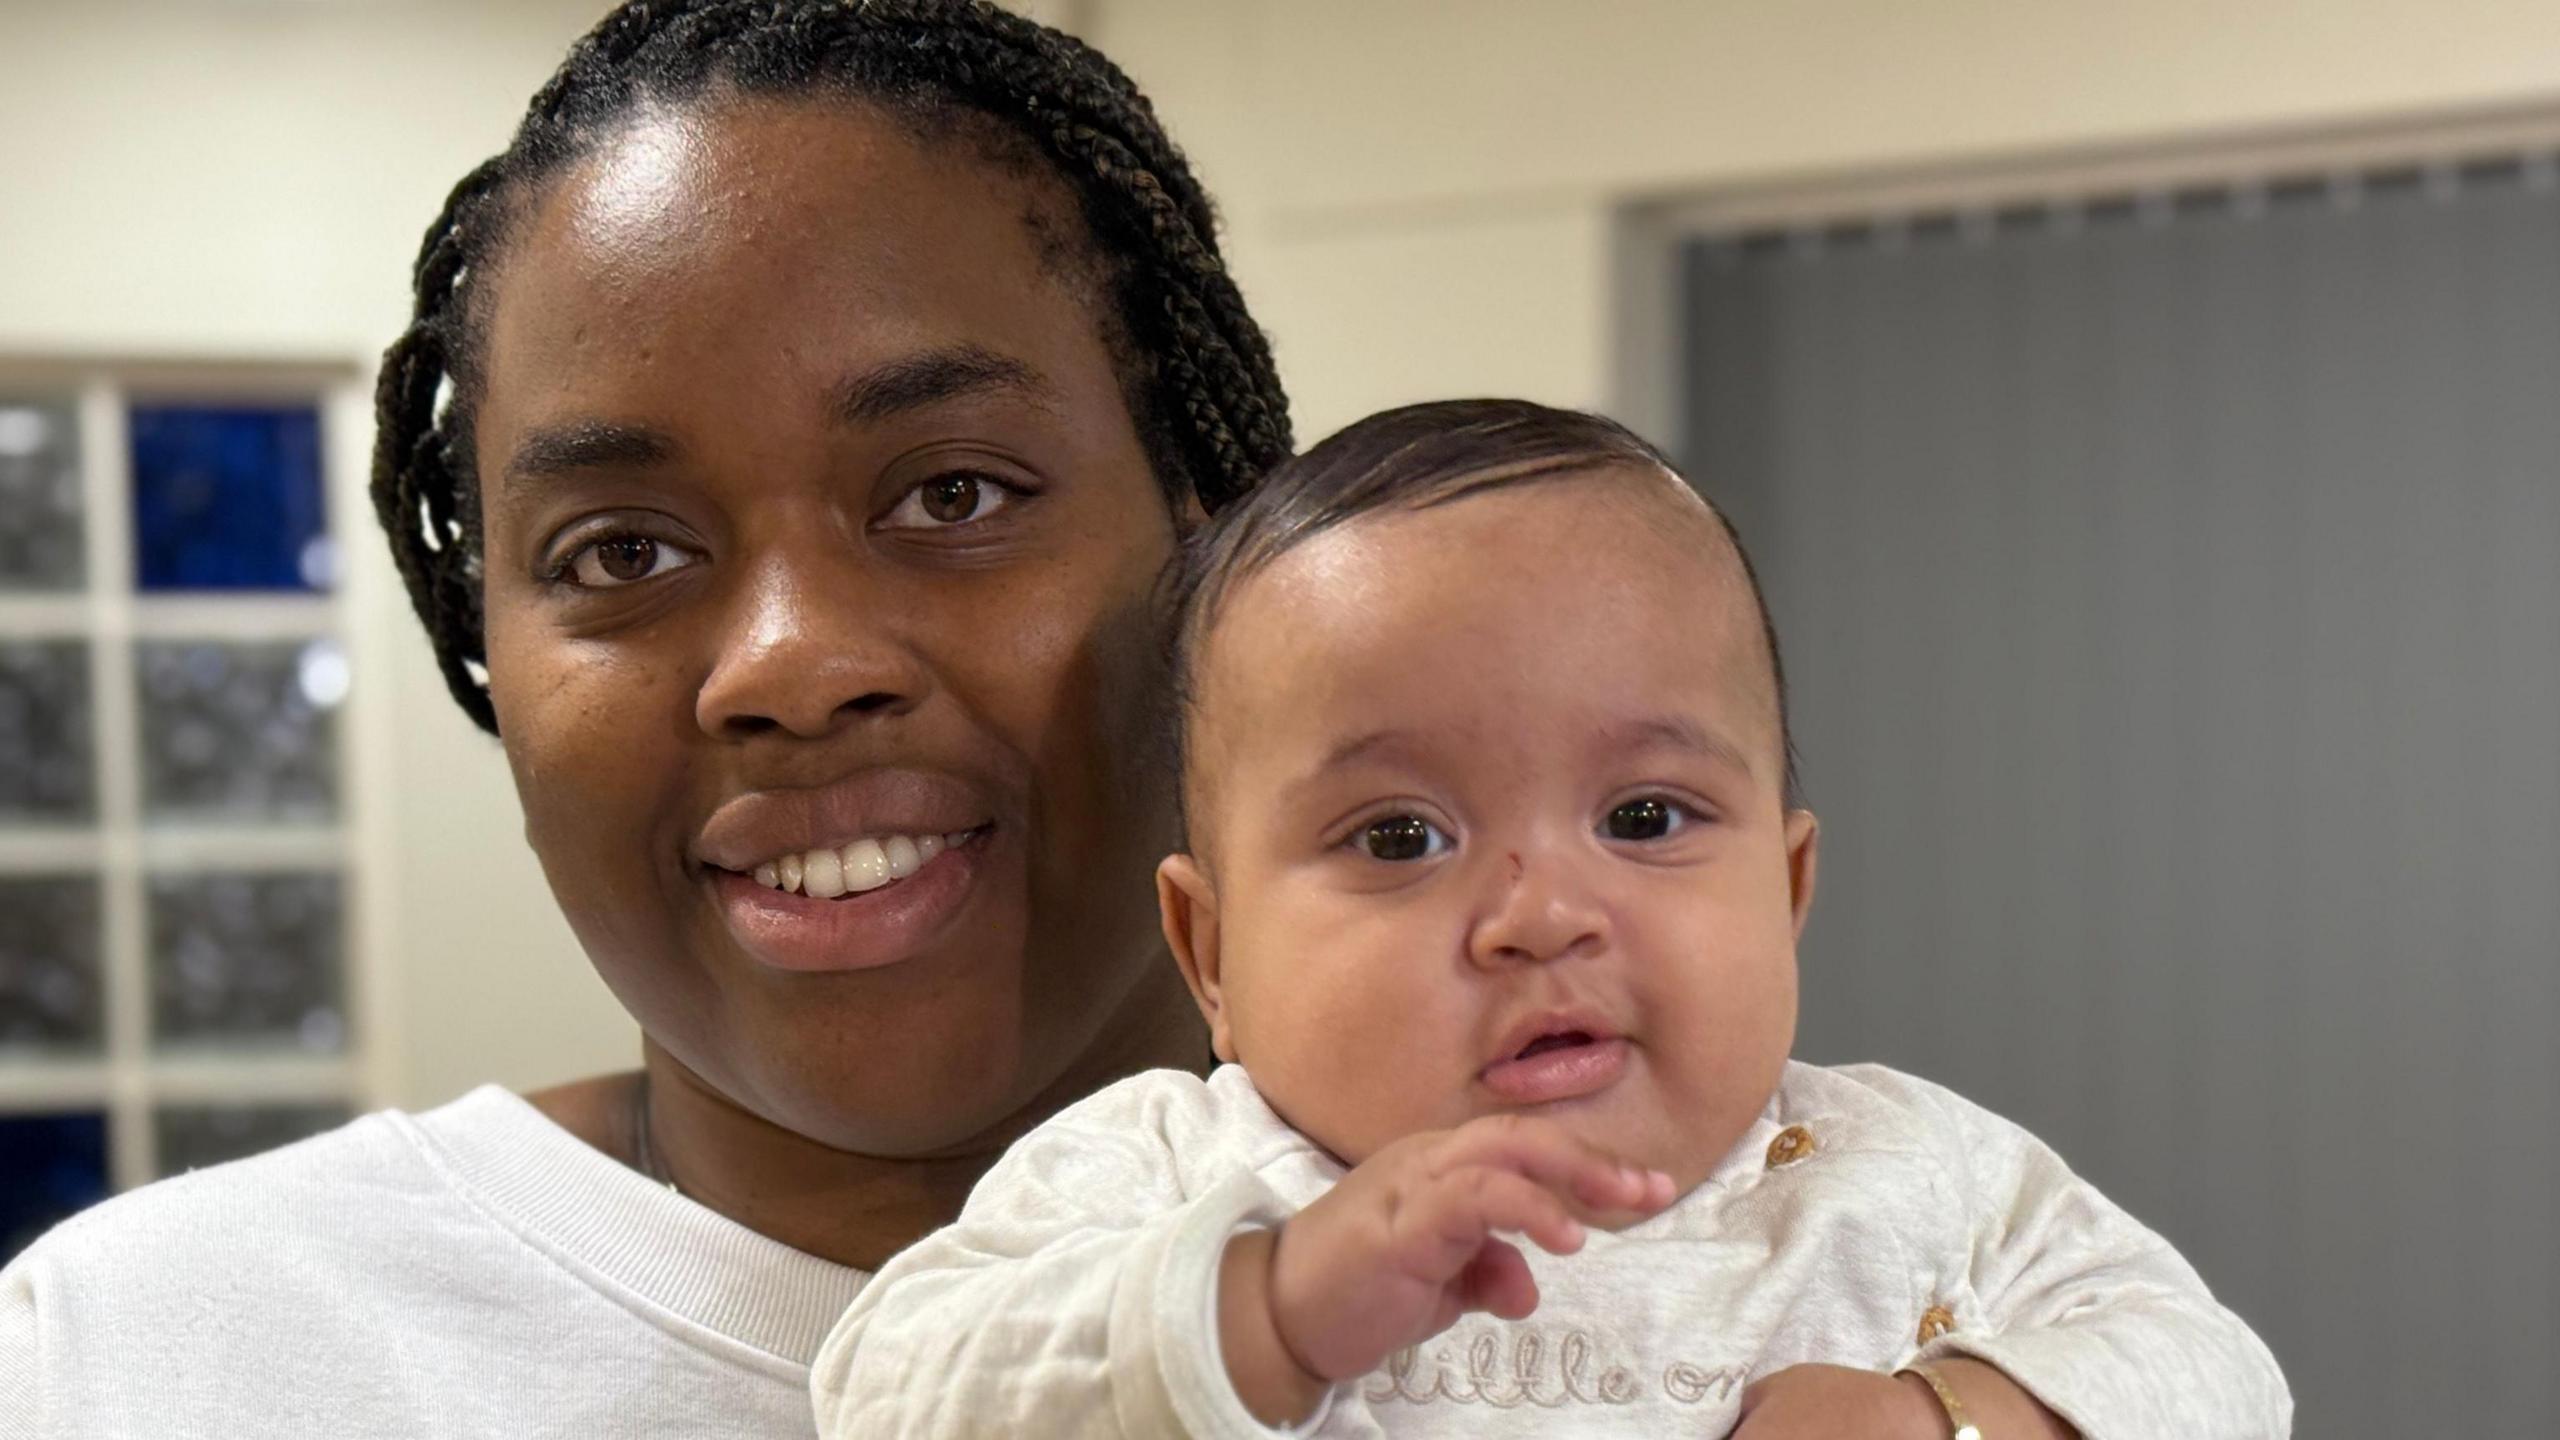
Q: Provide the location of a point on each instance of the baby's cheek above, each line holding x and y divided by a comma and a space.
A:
1352, 1065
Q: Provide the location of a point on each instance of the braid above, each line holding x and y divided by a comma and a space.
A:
1197, 370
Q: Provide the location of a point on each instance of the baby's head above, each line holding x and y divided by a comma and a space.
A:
1487, 791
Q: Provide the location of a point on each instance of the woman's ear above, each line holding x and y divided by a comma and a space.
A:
1804, 849
1190, 906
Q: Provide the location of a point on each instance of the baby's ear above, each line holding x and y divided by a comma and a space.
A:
1804, 850
1190, 906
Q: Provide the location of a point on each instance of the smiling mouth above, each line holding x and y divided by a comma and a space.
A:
860, 867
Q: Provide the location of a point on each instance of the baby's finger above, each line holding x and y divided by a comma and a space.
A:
1602, 1188
1498, 1282
1449, 1218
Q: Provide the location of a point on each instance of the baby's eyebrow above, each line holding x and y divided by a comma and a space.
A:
1679, 732
1368, 745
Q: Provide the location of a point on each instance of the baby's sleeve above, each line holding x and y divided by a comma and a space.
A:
2094, 1314
1075, 1296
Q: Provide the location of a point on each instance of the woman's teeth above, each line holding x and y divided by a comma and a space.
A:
866, 864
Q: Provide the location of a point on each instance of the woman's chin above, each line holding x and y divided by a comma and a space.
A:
905, 1087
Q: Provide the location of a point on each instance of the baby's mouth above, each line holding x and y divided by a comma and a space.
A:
1561, 1040
1560, 1060
857, 868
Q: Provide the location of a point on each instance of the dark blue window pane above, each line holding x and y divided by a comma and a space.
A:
50, 1166
228, 498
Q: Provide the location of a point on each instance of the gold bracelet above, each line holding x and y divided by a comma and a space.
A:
1963, 1425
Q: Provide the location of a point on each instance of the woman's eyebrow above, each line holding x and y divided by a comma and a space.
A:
908, 383
933, 376
585, 445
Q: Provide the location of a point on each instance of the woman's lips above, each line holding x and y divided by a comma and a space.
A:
1542, 1076
863, 931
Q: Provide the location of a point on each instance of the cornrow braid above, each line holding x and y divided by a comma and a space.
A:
1196, 369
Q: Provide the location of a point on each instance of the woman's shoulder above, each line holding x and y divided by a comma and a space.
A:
433, 1273
346, 1188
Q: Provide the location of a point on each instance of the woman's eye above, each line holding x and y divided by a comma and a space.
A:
1648, 819
1403, 837
948, 500
620, 560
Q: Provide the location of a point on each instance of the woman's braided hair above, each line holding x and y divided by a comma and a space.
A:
1195, 368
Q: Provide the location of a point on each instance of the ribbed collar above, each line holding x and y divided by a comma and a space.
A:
625, 1233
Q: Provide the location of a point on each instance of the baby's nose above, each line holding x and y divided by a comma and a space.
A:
1539, 908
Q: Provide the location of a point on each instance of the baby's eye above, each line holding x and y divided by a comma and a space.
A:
618, 560
1650, 818
1403, 837
948, 500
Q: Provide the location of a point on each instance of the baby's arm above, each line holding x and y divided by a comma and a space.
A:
1071, 1298
1404, 1245
1082, 1294
2088, 1310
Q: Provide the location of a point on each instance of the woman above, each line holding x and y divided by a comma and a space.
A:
794, 422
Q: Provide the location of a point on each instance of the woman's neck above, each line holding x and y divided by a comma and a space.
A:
854, 1209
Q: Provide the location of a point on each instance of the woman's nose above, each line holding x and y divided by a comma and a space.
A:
805, 652
1542, 907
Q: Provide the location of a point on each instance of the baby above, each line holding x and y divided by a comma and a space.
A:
1491, 894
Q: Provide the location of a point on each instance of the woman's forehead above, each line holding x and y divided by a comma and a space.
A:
766, 193
757, 244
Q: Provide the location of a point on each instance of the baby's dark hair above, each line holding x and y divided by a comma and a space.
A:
1194, 368
1414, 457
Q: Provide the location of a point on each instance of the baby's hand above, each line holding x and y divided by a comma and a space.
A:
1405, 1244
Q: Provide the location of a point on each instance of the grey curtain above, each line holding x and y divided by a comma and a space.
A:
2171, 598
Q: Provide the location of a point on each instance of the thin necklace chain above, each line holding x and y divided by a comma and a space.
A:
644, 1148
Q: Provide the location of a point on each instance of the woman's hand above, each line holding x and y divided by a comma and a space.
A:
1833, 1402
1406, 1244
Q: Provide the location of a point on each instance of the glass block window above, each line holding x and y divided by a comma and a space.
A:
248, 961
178, 881
51, 994
228, 497
41, 536
46, 738
239, 730
51, 1167
193, 1137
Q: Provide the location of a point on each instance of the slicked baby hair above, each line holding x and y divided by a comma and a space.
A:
1410, 458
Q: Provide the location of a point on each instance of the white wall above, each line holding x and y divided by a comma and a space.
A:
1419, 190
228, 178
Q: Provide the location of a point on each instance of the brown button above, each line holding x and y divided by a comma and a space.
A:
1936, 1322
1793, 1144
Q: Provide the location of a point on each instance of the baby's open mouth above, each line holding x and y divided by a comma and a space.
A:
1557, 1057
1561, 1040
870, 863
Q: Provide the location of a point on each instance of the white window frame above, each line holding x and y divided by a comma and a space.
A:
126, 1080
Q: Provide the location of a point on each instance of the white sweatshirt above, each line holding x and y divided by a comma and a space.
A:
475, 1270
1866, 1219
